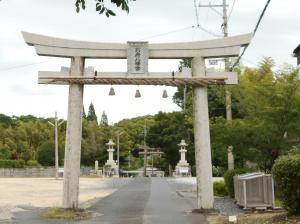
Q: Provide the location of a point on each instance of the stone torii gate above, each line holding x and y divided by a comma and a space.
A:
137, 54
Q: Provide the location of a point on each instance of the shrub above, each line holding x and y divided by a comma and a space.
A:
12, 163
26, 155
45, 154
4, 153
286, 173
220, 189
228, 178
218, 171
32, 163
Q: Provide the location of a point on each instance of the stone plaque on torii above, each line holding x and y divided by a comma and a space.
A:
76, 77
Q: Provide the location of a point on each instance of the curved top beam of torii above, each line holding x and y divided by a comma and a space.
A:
59, 47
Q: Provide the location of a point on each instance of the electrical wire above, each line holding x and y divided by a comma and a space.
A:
254, 32
208, 31
231, 10
196, 13
21, 66
167, 33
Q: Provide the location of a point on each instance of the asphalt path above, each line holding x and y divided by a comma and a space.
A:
142, 201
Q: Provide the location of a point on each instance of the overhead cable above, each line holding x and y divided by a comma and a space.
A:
21, 66
254, 32
231, 10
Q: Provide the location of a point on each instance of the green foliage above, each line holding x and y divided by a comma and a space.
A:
66, 214
286, 173
5, 121
104, 120
228, 178
26, 155
101, 6
220, 189
12, 163
83, 113
4, 152
295, 150
166, 134
218, 171
32, 163
46, 154
92, 114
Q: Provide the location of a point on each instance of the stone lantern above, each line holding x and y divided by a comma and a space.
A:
110, 150
110, 164
183, 167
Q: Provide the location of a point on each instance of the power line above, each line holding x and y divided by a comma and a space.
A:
167, 33
208, 31
254, 32
198, 24
196, 13
232, 7
21, 66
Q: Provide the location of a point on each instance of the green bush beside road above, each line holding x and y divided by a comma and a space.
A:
228, 178
12, 163
220, 189
286, 173
32, 163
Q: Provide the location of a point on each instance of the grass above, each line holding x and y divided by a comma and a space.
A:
71, 214
268, 218
278, 203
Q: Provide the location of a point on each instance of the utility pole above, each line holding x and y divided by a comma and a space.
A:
129, 158
118, 150
226, 60
227, 69
145, 150
56, 125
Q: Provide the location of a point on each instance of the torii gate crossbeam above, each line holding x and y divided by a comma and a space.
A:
76, 77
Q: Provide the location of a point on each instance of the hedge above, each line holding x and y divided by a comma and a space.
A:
220, 189
12, 163
286, 173
32, 163
228, 178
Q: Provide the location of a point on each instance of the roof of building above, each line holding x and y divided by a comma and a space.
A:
297, 49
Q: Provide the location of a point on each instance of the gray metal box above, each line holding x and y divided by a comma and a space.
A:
254, 190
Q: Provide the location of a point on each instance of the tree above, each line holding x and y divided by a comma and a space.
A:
5, 121
83, 113
167, 132
45, 155
104, 120
92, 114
101, 6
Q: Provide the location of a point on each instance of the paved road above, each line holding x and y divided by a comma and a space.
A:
142, 201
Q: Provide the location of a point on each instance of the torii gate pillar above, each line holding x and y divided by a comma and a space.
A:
73, 137
205, 196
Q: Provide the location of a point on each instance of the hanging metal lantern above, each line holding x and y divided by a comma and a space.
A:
111, 91
137, 94
165, 94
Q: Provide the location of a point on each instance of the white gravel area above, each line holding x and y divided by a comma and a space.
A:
186, 187
47, 192
189, 183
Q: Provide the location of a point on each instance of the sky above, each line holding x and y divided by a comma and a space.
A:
154, 21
